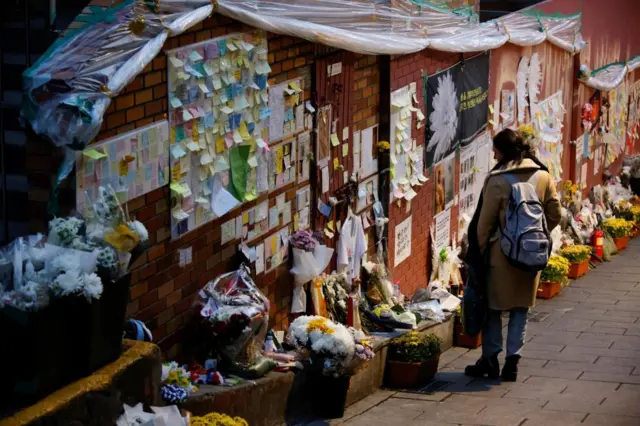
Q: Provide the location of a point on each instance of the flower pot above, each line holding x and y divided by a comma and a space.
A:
621, 243
410, 375
548, 289
316, 396
464, 340
577, 270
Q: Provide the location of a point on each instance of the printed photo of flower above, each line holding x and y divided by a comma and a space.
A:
443, 119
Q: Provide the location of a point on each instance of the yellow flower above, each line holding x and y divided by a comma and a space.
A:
384, 146
122, 238
577, 253
319, 324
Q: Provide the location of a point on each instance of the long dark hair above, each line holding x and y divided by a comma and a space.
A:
515, 148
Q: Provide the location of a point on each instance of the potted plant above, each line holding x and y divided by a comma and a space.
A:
630, 212
412, 360
552, 277
460, 337
578, 257
620, 230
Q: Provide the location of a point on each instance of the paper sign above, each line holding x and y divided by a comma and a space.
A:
443, 230
402, 248
334, 139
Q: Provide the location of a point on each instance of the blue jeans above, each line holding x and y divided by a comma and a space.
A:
492, 332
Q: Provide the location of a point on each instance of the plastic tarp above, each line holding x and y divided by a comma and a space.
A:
69, 89
610, 76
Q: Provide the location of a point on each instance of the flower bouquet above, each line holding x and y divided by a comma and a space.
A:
412, 360
332, 353
310, 258
63, 303
620, 230
336, 296
578, 257
552, 277
237, 314
176, 383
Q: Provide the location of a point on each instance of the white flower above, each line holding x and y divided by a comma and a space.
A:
92, 286
139, 229
444, 117
521, 87
65, 262
67, 283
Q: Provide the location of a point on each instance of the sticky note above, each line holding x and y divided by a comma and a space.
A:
334, 139
491, 108
253, 161
295, 86
345, 149
219, 145
193, 146
94, 154
330, 225
244, 133
336, 164
178, 188
345, 134
175, 102
194, 56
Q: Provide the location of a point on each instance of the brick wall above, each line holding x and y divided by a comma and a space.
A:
161, 291
413, 273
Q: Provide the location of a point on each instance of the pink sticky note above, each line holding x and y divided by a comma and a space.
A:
228, 140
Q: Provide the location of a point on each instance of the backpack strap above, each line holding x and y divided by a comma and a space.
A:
512, 179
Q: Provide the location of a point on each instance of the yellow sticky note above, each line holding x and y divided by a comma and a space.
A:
279, 157
295, 86
173, 134
345, 149
330, 225
245, 218
237, 74
493, 123
295, 100
491, 108
244, 132
178, 188
392, 171
336, 164
123, 168
199, 215
274, 245
334, 139
250, 196
296, 222
195, 134
175, 172
219, 145
94, 154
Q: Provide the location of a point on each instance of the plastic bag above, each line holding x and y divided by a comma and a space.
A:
307, 266
609, 247
238, 314
430, 310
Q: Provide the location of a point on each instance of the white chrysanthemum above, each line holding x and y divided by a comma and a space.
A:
443, 120
535, 79
67, 283
65, 262
139, 229
92, 286
167, 368
521, 87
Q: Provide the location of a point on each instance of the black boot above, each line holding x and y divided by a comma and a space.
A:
510, 370
484, 367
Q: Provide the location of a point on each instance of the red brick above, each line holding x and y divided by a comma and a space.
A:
138, 290
159, 62
174, 297
148, 270
148, 298
153, 79
160, 91
134, 114
165, 290
144, 96
124, 102
156, 252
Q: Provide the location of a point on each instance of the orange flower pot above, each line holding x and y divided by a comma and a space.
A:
464, 340
577, 270
548, 289
621, 243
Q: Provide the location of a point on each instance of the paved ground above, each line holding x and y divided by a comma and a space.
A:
581, 365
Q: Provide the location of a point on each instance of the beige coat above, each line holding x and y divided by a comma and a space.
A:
508, 286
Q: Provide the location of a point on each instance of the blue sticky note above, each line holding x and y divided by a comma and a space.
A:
113, 152
323, 208
234, 121
211, 51
147, 172
208, 120
229, 92
193, 94
261, 81
288, 115
265, 112
238, 90
222, 47
179, 133
145, 140
585, 145
251, 127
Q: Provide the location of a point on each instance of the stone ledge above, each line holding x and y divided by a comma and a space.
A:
263, 402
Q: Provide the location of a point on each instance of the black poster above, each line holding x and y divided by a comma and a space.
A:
457, 107
474, 97
443, 119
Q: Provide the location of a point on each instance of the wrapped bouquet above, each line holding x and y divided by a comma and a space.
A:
237, 313
310, 258
334, 348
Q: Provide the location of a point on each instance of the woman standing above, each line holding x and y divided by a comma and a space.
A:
508, 288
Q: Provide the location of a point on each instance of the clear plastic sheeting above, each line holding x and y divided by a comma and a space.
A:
69, 89
610, 76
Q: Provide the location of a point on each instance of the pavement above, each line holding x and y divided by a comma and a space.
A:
580, 365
